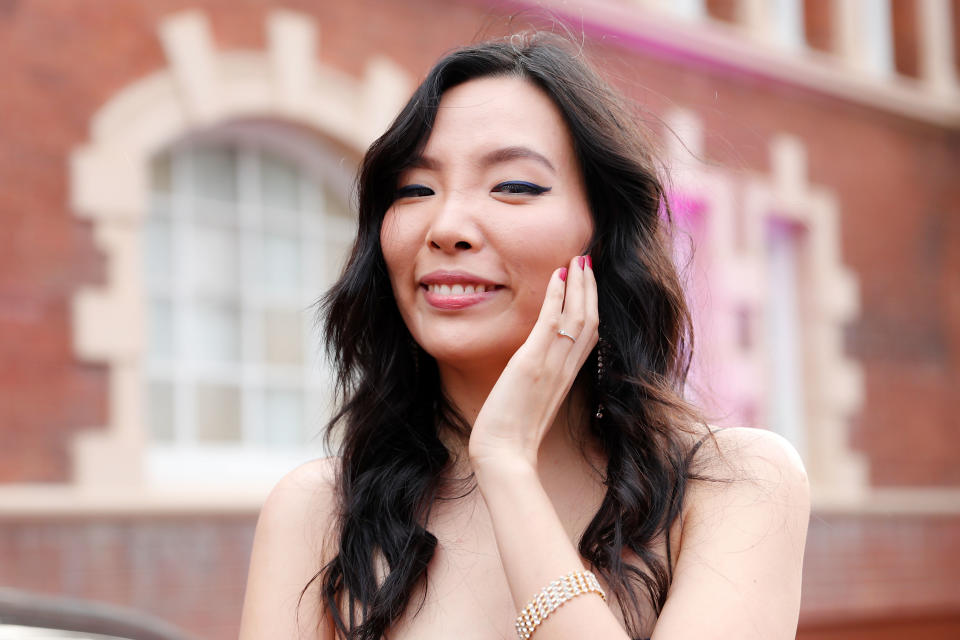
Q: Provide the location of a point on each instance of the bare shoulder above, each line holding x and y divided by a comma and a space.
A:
754, 472
751, 454
742, 537
309, 488
301, 508
291, 544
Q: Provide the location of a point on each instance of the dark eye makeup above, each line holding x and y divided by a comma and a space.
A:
519, 187
512, 187
413, 191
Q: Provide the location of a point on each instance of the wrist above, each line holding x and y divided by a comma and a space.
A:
511, 467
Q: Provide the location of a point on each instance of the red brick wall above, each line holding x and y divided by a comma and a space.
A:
189, 571
931, 626
880, 566
881, 578
903, 16
817, 25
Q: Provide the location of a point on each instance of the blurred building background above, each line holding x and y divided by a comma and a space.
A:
175, 193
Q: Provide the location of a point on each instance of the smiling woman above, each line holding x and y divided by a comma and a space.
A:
512, 343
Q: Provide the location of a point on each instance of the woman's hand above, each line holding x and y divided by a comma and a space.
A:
523, 403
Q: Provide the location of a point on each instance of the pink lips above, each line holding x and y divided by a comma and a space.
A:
452, 301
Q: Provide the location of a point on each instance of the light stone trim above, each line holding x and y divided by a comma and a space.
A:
773, 22
935, 41
833, 383
755, 16
863, 35
188, 45
292, 44
31, 501
650, 27
200, 88
44, 501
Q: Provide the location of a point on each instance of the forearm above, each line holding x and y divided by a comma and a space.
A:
535, 550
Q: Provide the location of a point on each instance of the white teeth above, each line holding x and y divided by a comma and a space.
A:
457, 289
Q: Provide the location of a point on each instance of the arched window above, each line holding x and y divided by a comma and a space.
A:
248, 226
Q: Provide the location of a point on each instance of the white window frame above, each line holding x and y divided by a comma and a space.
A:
785, 394
187, 462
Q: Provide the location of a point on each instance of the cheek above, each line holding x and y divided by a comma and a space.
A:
582, 225
393, 245
561, 236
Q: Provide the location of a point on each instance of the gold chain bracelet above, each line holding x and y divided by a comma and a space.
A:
552, 596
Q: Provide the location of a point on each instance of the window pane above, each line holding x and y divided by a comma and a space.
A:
215, 332
280, 181
284, 417
157, 249
218, 413
160, 174
234, 237
282, 337
160, 410
161, 329
785, 390
215, 174
281, 257
335, 255
214, 260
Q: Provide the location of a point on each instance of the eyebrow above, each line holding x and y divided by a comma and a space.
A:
504, 154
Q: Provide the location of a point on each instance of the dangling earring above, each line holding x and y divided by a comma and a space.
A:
601, 347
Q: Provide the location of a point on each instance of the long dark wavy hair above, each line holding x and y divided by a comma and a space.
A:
388, 426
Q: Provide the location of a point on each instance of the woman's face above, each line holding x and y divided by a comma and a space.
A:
481, 220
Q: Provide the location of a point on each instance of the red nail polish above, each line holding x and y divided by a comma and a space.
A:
589, 261
581, 261
563, 274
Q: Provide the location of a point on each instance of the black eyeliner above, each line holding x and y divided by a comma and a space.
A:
535, 189
412, 190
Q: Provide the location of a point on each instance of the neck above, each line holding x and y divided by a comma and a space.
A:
467, 387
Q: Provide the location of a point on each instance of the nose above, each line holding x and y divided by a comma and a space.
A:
454, 226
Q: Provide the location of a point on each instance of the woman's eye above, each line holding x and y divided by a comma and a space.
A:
518, 187
414, 191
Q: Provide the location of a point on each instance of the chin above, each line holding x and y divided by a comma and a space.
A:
471, 352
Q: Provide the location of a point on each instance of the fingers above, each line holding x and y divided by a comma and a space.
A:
579, 317
574, 298
548, 323
570, 305
591, 308
553, 300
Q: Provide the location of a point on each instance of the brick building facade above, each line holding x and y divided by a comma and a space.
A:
814, 151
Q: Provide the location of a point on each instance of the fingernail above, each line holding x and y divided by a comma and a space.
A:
581, 261
589, 261
563, 274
